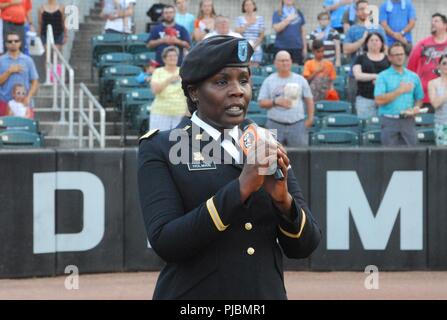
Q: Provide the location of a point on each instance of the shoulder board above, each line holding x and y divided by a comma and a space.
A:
149, 134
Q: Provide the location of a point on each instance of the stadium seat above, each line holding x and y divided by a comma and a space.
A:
142, 59
340, 87
297, 69
137, 43
136, 97
371, 138
18, 124
326, 107
335, 138
256, 86
106, 43
121, 86
255, 108
139, 118
342, 122
426, 136
269, 43
372, 123
425, 120
20, 139
259, 118
111, 74
269, 69
112, 59
258, 71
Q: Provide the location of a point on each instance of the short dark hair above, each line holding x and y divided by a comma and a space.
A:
444, 56
169, 6
365, 46
243, 5
13, 33
440, 15
359, 2
317, 44
322, 14
397, 44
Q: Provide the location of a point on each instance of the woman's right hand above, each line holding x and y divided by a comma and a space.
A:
259, 159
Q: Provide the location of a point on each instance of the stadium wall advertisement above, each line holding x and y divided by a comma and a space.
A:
59, 208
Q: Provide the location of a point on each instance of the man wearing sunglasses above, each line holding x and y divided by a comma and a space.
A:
16, 67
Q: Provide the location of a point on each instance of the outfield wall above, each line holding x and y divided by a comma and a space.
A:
383, 207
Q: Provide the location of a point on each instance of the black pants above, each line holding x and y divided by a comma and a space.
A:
9, 27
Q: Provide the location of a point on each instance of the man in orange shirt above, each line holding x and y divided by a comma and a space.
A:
15, 13
319, 72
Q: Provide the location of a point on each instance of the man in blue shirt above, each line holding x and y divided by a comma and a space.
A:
17, 68
398, 93
184, 18
169, 34
336, 8
398, 18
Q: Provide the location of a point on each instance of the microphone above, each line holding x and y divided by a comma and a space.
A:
249, 138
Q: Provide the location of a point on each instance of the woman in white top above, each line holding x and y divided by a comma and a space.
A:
437, 91
204, 23
251, 27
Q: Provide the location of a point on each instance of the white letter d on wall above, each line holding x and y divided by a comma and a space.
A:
44, 226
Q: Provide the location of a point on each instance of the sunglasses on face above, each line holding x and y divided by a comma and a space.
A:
12, 41
20, 93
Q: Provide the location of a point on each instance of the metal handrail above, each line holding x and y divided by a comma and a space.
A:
54, 58
89, 120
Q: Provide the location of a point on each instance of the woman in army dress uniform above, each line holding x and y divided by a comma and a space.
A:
219, 227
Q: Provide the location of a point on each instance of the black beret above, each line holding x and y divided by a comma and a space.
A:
213, 54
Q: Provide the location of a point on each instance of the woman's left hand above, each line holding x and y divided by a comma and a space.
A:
277, 189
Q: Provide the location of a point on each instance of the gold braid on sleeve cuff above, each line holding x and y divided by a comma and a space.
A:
298, 235
215, 215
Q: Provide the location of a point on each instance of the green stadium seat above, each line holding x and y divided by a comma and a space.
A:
371, 138
136, 97
297, 69
425, 120
426, 136
111, 74
335, 138
326, 107
255, 108
20, 139
256, 86
340, 86
258, 71
139, 118
18, 124
121, 86
343, 122
112, 59
269, 43
269, 69
142, 59
106, 43
259, 118
137, 43
372, 123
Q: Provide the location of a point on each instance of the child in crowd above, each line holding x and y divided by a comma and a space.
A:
16, 106
146, 76
320, 73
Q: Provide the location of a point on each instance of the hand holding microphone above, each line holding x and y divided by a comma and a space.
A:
266, 166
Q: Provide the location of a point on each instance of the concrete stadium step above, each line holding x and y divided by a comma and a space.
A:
47, 90
51, 128
50, 115
67, 142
